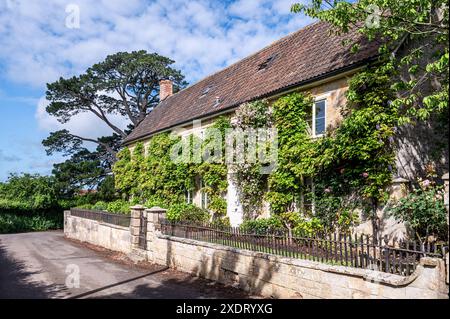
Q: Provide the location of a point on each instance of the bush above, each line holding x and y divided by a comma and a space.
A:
118, 206
423, 210
308, 227
11, 223
100, 205
262, 225
187, 212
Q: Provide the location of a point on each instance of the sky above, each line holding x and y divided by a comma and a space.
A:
43, 40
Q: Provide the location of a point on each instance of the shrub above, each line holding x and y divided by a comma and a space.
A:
187, 212
118, 206
11, 223
262, 225
100, 205
308, 227
423, 210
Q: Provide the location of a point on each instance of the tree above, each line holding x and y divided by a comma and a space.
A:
415, 39
125, 84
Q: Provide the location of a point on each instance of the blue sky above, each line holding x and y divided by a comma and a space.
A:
37, 47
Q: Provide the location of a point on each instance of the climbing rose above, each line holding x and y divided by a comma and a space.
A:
426, 183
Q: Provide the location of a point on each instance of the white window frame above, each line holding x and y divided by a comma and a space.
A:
203, 196
313, 124
189, 197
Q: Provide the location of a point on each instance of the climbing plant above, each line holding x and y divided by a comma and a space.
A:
250, 183
152, 176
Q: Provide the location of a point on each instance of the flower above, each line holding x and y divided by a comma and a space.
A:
365, 174
327, 190
426, 183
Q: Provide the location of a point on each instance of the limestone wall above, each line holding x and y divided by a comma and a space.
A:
109, 236
280, 277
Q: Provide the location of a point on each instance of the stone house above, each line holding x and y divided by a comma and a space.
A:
311, 59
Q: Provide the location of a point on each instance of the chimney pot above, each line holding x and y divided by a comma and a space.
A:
165, 89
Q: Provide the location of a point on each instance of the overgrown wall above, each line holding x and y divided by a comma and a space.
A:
109, 236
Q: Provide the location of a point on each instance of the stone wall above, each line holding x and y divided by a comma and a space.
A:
281, 277
109, 236
259, 273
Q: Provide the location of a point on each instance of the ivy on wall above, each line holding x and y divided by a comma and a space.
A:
351, 166
153, 178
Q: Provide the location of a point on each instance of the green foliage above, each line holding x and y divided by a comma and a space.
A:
187, 212
28, 192
414, 41
116, 207
12, 223
308, 227
295, 151
424, 211
250, 183
157, 180
262, 225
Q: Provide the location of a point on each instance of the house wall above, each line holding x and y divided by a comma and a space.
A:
334, 93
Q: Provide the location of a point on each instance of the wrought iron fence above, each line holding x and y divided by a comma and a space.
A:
398, 257
98, 215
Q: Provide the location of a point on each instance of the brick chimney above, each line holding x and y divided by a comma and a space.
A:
165, 89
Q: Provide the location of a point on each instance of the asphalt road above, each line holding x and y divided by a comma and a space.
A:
37, 265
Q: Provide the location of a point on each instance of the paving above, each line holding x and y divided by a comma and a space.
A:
47, 265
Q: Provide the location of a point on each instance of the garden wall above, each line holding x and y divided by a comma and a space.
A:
255, 272
113, 237
281, 277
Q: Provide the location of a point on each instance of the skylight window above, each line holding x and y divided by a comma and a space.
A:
205, 91
264, 65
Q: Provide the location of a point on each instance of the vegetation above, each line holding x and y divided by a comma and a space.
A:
423, 210
156, 179
124, 84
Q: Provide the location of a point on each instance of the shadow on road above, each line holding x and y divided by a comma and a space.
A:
15, 280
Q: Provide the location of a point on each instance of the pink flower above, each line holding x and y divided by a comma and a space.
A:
327, 190
426, 183
365, 174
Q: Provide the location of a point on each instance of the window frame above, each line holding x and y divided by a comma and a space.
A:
313, 124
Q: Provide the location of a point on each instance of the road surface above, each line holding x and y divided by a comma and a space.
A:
45, 265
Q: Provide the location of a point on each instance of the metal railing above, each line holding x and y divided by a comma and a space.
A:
102, 216
400, 257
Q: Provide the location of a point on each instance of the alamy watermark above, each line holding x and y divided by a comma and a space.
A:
234, 146
73, 276
73, 16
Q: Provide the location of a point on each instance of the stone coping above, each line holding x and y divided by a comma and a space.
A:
366, 274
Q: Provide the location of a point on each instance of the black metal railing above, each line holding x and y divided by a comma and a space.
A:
102, 216
397, 257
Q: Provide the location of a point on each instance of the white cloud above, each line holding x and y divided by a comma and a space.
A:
201, 36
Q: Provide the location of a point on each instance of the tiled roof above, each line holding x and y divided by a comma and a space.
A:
305, 55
